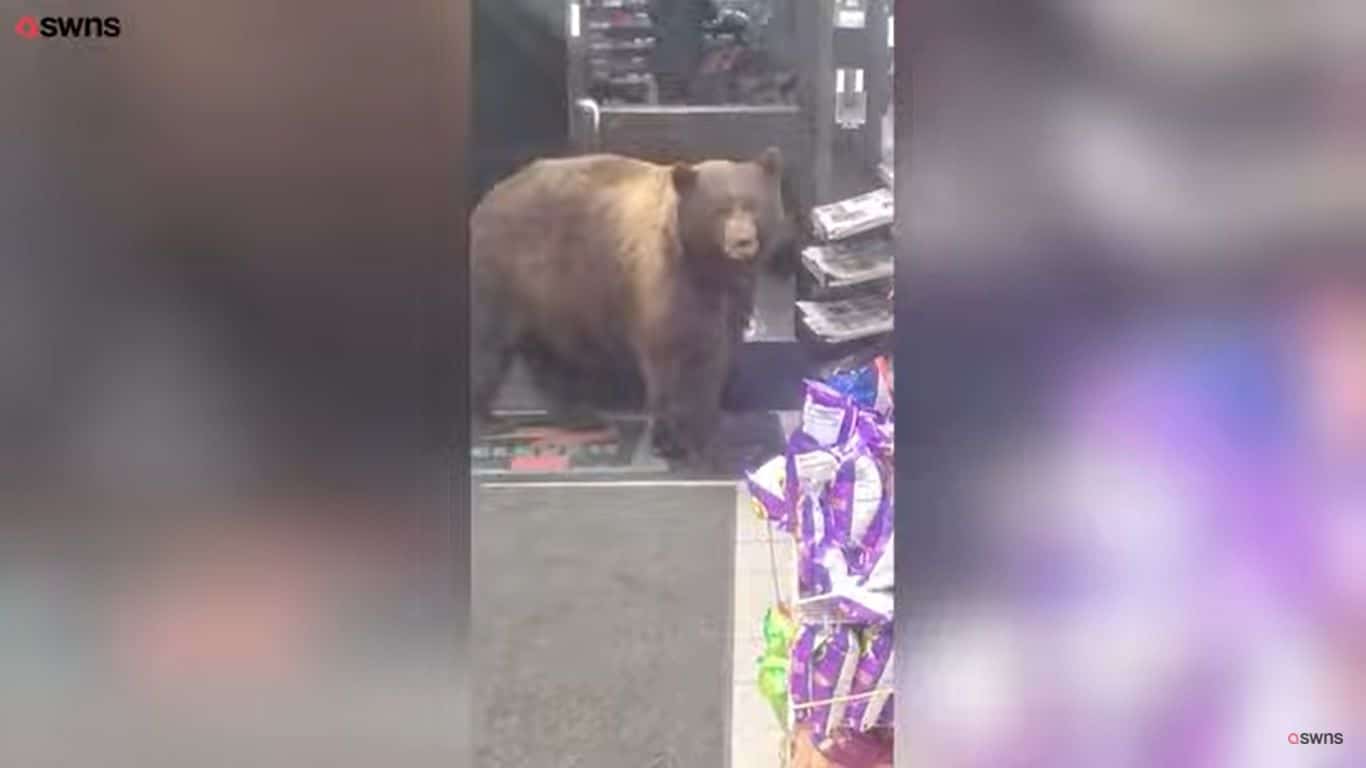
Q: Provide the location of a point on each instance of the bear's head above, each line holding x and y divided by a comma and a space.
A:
731, 211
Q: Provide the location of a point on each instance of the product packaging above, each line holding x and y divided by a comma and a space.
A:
834, 662
875, 673
828, 416
769, 494
775, 665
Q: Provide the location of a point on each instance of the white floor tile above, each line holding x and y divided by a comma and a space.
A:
756, 737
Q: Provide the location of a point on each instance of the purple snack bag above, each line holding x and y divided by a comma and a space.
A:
888, 716
810, 470
868, 509
880, 712
859, 503
827, 416
834, 660
768, 492
842, 496
812, 576
799, 671
882, 576
872, 673
862, 606
877, 431
840, 595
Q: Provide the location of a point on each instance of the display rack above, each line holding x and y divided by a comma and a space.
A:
842, 57
617, 39
817, 610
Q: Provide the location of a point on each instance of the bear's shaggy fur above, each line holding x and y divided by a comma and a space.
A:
618, 267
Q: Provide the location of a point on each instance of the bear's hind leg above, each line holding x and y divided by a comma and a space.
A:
493, 342
563, 387
656, 370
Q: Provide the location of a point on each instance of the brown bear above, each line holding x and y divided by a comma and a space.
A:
611, 264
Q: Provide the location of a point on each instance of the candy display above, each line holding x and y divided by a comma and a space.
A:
833, 495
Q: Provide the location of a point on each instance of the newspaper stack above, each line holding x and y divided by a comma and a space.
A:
855, 262
839, 321
854, 216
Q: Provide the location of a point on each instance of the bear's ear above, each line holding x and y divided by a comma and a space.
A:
685, 176
771, 161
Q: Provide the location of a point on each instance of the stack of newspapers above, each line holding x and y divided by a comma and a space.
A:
854, 216
852, 266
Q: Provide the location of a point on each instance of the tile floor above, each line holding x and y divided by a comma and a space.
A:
756, 735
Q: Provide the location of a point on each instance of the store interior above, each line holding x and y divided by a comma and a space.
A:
709, 593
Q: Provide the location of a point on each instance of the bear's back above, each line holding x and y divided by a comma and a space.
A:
570, 212
576, 244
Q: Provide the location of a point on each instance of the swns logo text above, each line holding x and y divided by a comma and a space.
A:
1315, 738
31, 28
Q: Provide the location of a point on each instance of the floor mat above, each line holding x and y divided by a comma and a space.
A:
601, 626
534, 446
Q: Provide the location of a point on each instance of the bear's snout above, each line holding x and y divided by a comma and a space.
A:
741, 238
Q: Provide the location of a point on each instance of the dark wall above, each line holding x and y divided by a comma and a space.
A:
521, 91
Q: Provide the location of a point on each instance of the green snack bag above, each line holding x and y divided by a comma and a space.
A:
779, 632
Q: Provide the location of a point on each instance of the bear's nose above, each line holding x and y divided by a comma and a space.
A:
745, 244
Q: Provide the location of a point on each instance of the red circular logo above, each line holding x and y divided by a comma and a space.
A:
27, 28
1294, 738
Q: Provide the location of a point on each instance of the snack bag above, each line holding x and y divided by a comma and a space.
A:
774, 665
875, 672
834, 661
862, 606
768, 492
799, 672
888, 717
859, 506
860, 385
827, 415
882, 576
811, 470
